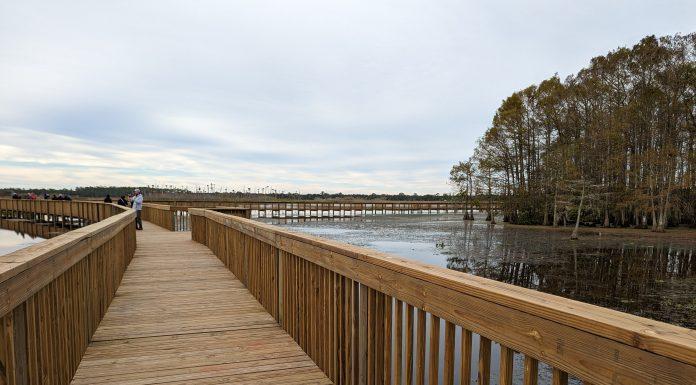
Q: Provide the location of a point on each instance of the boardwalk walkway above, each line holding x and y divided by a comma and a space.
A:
180, 317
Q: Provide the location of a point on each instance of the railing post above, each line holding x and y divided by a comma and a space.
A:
281, 282
15, 338
20, 335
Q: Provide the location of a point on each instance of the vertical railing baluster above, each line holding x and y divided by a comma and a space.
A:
388, 342
420, 357
506, 364
398, 340
484, 363
362, 352
448, 374
371, 325
355, 333
465, 357
531, 370
434, 360
559, 377
409, 344
380, 334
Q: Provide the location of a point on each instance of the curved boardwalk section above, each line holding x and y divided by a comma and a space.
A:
180, 317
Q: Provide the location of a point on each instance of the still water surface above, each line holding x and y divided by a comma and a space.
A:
654, 278
12, 240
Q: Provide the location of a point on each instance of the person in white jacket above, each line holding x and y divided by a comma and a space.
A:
137, 204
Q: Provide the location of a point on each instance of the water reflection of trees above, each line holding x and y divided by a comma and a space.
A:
32, 229
656, 281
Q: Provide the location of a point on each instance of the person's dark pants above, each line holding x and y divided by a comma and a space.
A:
138, 220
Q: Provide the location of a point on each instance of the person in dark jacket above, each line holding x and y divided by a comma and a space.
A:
108, 199
122, 201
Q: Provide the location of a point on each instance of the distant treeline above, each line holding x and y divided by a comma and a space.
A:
615, 142
87, 192
184, 194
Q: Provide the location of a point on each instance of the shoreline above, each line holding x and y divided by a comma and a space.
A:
679, 234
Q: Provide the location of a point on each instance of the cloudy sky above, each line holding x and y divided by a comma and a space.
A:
352, 96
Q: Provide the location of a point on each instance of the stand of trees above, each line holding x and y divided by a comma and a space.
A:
613, 145
184, 194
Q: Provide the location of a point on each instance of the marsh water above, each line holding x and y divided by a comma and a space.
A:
17, 234
11, 240
649, 277
653, 278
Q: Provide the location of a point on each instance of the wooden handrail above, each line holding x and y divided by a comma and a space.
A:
53, 294
235, 211
597, 345
161, 215
167, 216
156, 206
89, 211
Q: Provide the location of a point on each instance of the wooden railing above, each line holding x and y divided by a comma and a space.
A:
318, 205
161, 215
324, 209
54, 294
175, 218
372, 318
234, 211
61, 211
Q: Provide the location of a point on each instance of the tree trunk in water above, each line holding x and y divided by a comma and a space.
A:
491, 214
663, 209
574, 235
654, 220
555, 207
660, 228
606, 211
638, 218
466, 207
662, 221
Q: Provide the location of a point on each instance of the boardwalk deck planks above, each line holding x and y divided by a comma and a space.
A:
181, 316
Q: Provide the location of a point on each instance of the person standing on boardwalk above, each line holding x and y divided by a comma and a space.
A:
137, 203
108, 198
122, 201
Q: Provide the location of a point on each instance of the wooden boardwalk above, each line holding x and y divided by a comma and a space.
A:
180, 317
